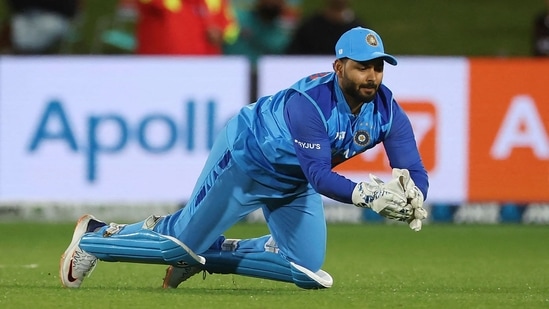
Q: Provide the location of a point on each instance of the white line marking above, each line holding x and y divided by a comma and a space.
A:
19, 266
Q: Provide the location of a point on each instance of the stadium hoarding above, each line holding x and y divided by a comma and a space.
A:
112, 129
509, 130
128, 129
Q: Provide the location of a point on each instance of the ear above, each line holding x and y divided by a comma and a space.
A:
338, 67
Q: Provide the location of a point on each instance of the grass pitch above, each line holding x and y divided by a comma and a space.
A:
373, 266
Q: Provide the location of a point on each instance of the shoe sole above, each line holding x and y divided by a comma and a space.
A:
65, 263
166, 283
169, 273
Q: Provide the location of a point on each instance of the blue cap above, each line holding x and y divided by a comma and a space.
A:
361, 44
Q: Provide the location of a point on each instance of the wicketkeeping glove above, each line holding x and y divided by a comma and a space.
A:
387, 199
414, 199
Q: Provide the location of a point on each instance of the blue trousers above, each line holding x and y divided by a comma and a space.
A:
224, 194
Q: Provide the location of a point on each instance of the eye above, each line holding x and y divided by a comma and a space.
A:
378, 67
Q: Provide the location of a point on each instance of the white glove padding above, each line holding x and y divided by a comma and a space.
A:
414, 199
419, 214
387, 199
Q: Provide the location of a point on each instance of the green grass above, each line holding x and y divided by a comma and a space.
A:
374, 266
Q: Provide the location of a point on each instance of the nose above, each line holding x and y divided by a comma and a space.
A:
370, 75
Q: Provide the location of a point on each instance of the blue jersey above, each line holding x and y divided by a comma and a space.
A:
298, 135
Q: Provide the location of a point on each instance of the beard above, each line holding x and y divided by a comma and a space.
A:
361, 93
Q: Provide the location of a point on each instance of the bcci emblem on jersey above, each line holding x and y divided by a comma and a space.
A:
362, 138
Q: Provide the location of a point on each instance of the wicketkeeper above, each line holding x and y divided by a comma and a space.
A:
277, 155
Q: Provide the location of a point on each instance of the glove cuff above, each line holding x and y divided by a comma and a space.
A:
364, 195
359, 194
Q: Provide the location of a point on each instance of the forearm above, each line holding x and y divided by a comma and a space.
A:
333, 185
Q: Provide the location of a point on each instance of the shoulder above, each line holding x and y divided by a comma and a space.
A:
314, 82
318, 86
318, 89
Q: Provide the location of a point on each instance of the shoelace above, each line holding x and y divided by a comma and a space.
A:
84, 262
113, 228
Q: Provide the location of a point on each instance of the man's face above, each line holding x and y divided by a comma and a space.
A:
359, 80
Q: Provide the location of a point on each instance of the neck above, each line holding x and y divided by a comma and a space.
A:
354, 105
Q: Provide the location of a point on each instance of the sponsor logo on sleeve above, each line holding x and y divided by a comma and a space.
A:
305, 145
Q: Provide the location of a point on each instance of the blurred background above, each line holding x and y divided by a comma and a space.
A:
491, 28
110, 106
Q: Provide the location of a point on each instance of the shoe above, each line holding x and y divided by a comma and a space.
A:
177, 274
76, 263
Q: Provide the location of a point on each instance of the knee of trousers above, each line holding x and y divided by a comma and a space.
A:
265, 265
307, 279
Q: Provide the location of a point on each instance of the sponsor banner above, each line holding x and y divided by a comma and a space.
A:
509, 130
104, 129
126, 129
436, 103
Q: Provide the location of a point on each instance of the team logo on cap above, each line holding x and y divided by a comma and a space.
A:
362, 138
371, 40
